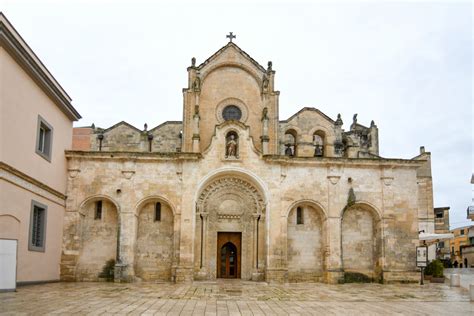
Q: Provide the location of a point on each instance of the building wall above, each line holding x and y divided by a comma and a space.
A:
306, 244
98, 239
456, 243
305, 124
359, 241
27, 91
21, 103
81, 138
229, 77
154, 252
383, 187
15, 211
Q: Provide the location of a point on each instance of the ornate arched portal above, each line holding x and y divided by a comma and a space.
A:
231, 209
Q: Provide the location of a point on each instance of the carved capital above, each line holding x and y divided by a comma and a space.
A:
334, 179
73, 172
334, 173
387, 180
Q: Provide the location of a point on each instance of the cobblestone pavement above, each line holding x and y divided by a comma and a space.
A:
235, 297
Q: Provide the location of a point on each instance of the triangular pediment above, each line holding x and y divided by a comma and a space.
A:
309, 112
123, 125
229, 52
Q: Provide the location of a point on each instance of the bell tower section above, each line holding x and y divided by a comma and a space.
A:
230, 85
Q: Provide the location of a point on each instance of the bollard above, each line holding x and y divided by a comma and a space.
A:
455, 280
471, 292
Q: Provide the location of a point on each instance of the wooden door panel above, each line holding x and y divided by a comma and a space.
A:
228, 266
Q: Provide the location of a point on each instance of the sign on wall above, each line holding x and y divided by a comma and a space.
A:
421, 256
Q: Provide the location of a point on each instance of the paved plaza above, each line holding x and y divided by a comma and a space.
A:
235, 297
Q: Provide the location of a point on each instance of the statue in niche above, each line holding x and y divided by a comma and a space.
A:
197, 84
265, 83
288, 150
231, 147
265, 114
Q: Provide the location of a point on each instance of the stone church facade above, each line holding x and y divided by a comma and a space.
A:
232, 191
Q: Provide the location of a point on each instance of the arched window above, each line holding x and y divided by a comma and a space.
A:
299, 216
158, 212
232, 112
98, 210
290, 142
319, 143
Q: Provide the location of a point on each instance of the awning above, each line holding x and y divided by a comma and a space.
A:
435, 237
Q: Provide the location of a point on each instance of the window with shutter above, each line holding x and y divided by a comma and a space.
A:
37, 227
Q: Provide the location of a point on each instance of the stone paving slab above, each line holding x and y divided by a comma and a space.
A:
235, 297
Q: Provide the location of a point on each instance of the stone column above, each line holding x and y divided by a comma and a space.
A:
203, 271
256, 275
255, 241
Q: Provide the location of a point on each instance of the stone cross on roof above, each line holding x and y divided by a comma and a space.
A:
231, 36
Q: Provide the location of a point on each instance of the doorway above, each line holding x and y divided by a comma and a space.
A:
8, 259
228, 254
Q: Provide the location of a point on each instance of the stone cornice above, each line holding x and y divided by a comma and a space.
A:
279, 159
21, 179
335, 161
120, 155
24, 55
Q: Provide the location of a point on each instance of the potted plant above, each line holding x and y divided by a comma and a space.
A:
428, 271
438, 272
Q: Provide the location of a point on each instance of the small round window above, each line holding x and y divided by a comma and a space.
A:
231, 112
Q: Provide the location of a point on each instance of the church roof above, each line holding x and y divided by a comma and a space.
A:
308, 109
119, 124
165, 123
241, 51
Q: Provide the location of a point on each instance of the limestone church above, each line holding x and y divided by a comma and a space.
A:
234, 191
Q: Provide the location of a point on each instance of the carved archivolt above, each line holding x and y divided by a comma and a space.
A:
232, 185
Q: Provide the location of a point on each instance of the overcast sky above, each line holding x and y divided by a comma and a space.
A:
405, 65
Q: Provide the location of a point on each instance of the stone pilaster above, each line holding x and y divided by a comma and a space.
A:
334, 269
124, 271
184, 270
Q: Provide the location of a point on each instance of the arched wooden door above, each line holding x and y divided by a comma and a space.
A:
228, 261
228, 256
